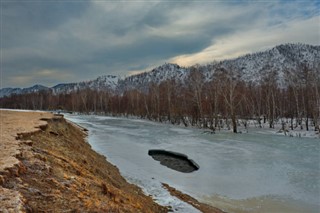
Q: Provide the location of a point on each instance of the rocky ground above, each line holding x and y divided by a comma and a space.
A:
46, 165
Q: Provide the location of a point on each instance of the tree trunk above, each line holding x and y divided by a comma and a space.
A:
234, 122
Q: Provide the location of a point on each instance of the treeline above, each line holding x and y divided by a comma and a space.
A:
225, 100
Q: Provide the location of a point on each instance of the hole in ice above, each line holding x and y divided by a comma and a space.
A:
174, 160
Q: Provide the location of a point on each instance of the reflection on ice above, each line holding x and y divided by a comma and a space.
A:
242, 167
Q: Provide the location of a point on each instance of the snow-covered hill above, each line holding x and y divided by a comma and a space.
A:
106, 82
280, 59
251, 68
10, 91
157, 75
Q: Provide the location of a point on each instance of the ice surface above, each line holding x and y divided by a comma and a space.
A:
236, 166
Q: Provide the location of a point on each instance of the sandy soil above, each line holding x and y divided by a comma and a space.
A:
13, 123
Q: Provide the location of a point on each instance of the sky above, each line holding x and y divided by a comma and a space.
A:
59, 41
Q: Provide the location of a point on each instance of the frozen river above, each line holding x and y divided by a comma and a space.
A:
250, 172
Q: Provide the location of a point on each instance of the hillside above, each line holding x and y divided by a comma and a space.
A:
251, 68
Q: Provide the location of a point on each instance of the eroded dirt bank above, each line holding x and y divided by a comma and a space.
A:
12, 123
53, 169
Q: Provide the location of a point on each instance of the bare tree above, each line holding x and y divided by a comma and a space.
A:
229, 84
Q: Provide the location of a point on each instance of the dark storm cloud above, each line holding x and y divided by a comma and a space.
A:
42, 14
48, 42
25, 20
153, 47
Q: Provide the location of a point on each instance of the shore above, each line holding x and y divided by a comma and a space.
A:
46, 165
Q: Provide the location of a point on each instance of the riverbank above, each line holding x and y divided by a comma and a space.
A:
253, 166
47, 166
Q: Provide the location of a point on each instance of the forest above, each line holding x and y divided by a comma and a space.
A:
227, 101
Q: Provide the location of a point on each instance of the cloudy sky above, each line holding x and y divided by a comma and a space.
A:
49, 42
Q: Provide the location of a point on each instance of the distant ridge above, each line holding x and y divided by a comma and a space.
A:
251, 68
